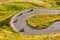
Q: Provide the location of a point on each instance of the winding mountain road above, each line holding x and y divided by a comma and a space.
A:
19, 24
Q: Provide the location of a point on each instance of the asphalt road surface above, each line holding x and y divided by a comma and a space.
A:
19, 24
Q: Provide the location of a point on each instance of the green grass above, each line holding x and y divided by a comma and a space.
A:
50, 4
54, 3
42, 21
9, 9
6, 32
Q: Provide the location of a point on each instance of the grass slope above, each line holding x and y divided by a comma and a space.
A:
6, 32
9, 9
42, 21
51, 4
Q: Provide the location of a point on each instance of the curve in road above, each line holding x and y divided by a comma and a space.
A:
18, 22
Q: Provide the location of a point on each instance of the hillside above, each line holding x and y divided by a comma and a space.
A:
11, 7
43, 3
